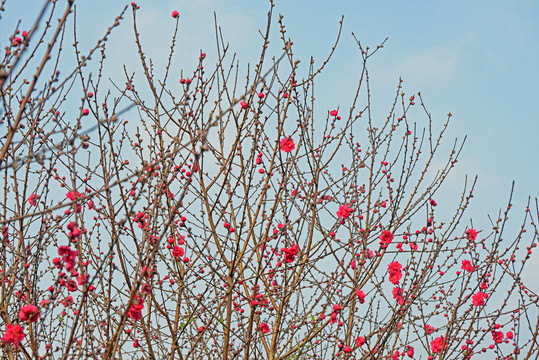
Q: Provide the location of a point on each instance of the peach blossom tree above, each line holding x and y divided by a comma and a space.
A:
221, 214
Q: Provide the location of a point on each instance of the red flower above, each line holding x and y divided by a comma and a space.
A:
14, 334
29, 312
433, 203
429, 329
69, 257
471, 234
361, 295
344, 211
71, 195
243, 105
395, 272
397, 294
287, 144
467, 265
71, 285
264, 328
175, 14
68, 301
360, 341
436, 344
497, 336
334, 316
386, 238
135, 311
509, 335
178, 252
410, 352
333, 113
290, 253
479, 298
33, 198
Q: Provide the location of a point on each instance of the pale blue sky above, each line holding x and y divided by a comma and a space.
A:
476, 59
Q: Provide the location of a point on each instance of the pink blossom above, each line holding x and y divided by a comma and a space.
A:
33, 198
290, 253
14, 334
29, 313
73, 195
386, 238
135, 310
395, 273
360, 341
479, 298
333, 113
471, 234
243, 105
68, 301
497, 336
429, 329
344, 211
178, 252
69, 257
175, 14
436, 345
287, 144
467, 265
264, 328
71, 285
397, 294
361, 296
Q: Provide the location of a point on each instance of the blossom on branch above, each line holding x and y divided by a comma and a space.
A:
397, 295
386, 238
264, 328
479, 298
471, 234
344, 212
69, 257
436, 345
467, 265
287, 144
395, 273
14, 334
29, 312
135, 310
361, 296
290, 253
